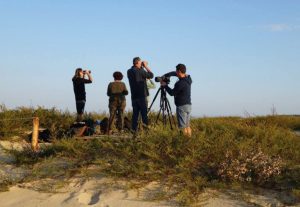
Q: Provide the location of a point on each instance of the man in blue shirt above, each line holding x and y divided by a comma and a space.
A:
182, 96
137, 76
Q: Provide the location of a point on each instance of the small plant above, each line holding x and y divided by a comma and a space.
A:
250, 166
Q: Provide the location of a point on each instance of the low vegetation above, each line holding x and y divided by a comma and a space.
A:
223, 152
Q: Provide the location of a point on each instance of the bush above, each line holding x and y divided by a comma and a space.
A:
18, 122
262, 151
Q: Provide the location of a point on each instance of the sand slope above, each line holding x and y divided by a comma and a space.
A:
98, 193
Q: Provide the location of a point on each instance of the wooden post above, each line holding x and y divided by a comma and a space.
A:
35, 134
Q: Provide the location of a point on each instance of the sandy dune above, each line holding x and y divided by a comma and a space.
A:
103, 192
97, 193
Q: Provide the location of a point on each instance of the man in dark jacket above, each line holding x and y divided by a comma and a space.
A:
137, 76
182, 96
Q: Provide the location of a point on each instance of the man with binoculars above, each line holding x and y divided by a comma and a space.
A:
79, 81
137, 76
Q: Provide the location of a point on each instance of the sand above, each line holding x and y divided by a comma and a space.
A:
99, 191
96, 193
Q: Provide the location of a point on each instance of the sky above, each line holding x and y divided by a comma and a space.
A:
243, 56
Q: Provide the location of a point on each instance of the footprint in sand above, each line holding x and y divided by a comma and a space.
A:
89, 199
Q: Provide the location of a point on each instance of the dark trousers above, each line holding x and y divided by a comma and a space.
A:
116, 108
139, 107
80, 104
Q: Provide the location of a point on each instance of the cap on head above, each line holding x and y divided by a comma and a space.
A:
181, 67
136, 60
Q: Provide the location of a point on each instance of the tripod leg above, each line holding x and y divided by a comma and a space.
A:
158, 115
164, 108
155, 97
173, 119
169, 110
160, 109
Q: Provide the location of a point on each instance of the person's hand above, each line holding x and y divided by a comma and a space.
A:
162, 83
145, 63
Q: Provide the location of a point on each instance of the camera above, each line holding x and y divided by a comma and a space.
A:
85, 71
165, 79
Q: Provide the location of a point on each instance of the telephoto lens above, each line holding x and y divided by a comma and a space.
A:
158, 79
162, 79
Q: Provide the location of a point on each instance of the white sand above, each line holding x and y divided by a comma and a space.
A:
96, 192
101, 192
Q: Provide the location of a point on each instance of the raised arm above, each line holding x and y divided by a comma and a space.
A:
170, 74
148, 74
90, 79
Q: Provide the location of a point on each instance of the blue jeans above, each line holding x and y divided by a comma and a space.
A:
139, 107
184, 116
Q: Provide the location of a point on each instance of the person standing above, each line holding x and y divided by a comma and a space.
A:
117, 102
81, 78
182, 96
137, 76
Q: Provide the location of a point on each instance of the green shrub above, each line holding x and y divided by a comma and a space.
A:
261, 151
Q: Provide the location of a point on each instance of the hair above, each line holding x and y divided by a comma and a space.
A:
77, 73
135, 60
118, 75
181, 68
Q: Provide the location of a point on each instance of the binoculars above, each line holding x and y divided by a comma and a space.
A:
85, 71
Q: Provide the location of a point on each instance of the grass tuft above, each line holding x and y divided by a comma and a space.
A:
222, 153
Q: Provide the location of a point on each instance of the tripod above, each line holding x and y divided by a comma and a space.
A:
165, 108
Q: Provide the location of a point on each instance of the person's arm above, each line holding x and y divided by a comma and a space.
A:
170, 74
129, 76
109, 93
176, 90
90, 79
125, 92
147, 74
169, 90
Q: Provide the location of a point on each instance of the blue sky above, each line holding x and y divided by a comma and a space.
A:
242, 55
